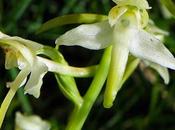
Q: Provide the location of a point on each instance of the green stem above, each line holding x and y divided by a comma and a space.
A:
68, 70
5, 104
59, 64
22, 98
80, 114
13, 88
71, 19
24, 101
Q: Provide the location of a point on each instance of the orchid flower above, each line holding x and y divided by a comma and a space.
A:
22, 54
124, 30
32, 122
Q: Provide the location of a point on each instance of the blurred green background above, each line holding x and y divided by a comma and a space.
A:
144, 102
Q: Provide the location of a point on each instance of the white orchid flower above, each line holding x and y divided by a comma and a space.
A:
124, 31
32, 122
21, 53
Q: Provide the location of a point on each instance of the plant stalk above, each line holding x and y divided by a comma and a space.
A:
80, 114
5, 104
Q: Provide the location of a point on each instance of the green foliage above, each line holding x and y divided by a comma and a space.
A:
170, 6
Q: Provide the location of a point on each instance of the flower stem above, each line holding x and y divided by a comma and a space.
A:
5, 104
59, 64
13, 88
22, 98
69, 70
80, 114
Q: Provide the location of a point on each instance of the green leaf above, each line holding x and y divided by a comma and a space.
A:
170, 6
71, 19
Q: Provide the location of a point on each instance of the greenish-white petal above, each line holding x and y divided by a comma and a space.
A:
2, 35
23, 51
10, 59
35, 81
153, 29
163, 71
142, 17
146, 46
141, 4
32, 122
34, 46
22, 63
28, 43
92, 36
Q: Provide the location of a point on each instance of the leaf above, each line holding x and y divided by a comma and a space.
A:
170, 6
19, 9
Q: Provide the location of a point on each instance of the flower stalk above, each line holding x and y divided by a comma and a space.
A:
79, 115
6, 103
